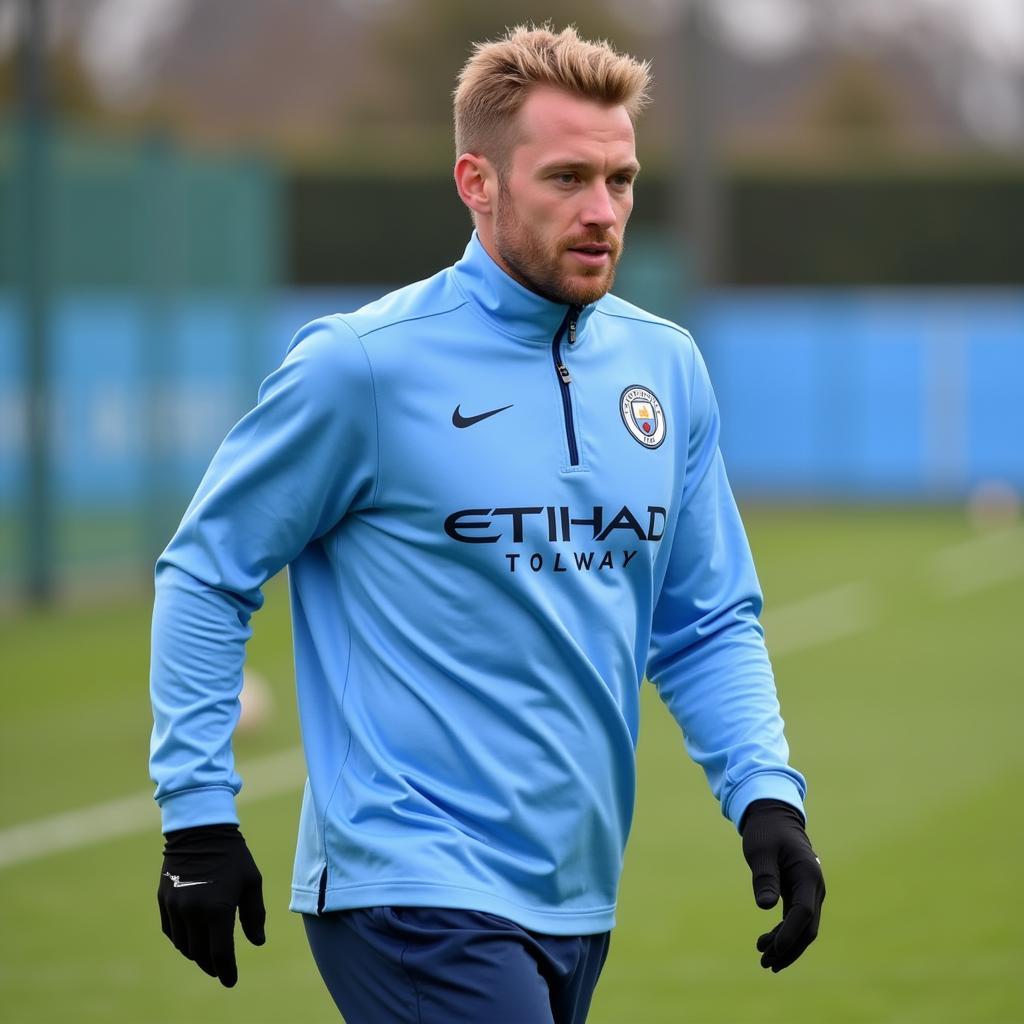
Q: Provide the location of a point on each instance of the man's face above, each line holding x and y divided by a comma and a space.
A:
565, 196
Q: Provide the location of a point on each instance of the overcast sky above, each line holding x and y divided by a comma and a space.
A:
975, 46
119, 33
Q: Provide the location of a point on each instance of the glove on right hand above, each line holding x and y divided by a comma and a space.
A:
208, 872
779, 853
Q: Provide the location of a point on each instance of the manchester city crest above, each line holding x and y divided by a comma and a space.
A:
643, 416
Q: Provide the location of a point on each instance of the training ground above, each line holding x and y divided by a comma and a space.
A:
898, 643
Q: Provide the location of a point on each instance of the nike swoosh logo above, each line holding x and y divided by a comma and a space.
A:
179, 884
460, 421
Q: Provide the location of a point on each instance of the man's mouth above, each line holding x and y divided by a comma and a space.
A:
596, 254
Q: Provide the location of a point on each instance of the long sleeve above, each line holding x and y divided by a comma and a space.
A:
283, 478
707, 657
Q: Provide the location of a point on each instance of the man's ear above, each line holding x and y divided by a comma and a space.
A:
477, 182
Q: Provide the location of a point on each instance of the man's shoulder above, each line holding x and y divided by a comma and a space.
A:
434, 296
615, 307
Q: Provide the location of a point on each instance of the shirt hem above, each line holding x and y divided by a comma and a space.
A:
425, 894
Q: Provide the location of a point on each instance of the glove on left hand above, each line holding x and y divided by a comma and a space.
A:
208, 872
781, 859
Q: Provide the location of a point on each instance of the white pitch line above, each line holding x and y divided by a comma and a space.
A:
818, 619
265, 777
980, 562
809, 622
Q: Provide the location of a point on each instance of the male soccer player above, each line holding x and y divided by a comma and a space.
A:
501, 500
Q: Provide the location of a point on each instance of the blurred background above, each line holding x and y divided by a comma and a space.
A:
832, 200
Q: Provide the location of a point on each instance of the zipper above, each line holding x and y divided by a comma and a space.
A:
565, 378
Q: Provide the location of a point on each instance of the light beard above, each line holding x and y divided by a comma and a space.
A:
537, 268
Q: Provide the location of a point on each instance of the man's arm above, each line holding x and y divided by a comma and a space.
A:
708, 658
284, 476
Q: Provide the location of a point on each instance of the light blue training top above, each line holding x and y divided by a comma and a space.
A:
498, 514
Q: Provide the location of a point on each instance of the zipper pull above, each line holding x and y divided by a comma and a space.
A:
563, 373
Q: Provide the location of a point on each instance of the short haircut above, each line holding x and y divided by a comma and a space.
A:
497, 78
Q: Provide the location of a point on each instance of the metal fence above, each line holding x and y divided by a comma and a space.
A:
161, 310
134, 281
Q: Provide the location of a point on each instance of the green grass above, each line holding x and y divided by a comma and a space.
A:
88, 547
909, 733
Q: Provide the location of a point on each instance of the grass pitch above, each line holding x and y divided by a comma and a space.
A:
907, 725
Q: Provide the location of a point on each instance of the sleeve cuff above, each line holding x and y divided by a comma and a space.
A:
214, 805
764, 786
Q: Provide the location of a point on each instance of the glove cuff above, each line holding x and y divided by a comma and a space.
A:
200, 838
776, 808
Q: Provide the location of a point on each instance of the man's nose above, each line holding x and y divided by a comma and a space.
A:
599, 210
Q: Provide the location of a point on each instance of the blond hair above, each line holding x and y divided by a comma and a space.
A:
497, 78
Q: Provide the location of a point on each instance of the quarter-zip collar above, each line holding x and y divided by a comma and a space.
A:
507, 304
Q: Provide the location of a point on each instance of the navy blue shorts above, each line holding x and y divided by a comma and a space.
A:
425, 965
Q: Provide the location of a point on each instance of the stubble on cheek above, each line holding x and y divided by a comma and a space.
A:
524, 252
541, 268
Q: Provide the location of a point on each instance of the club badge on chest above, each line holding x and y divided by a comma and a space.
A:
643, 416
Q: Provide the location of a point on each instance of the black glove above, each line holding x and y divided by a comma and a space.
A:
781, 859
208, 872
